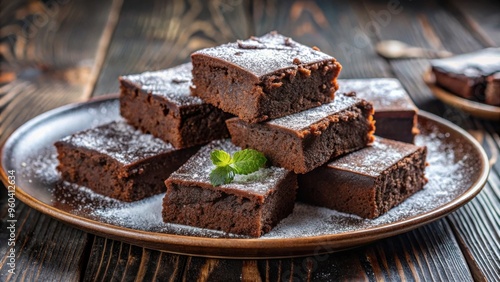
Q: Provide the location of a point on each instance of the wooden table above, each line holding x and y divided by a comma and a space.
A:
63, 51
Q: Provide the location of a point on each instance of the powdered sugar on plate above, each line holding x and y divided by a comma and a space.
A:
452, 171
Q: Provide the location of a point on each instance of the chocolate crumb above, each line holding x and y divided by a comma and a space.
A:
250, 44
315, 48
179, 80
296, 61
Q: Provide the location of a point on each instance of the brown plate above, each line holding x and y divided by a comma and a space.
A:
476, 109
457, 172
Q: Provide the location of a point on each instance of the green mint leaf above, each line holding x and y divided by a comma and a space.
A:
221, 175
220, 158
248, 161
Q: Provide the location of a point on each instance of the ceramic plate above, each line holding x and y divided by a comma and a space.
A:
458, 170
476, 109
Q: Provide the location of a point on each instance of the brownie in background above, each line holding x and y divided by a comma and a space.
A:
466, 75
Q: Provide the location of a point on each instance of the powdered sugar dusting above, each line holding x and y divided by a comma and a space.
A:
266, 54
374, 159
119, 140
197, 170
303, 120
386, 94
172, 84
452, 170
480, 63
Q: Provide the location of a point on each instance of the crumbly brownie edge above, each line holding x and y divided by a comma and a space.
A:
79, 166
230, 89
321, 142
283, 148
279, 204
399, 182
150, 114
108, 177
210, 208
363, 195
348, 131
183, 127
315, 84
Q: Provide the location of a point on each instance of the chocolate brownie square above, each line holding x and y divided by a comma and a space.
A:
466, 74
368, 182
251, 205
118, 161
395, 113
306, 140
160, 103
264, 77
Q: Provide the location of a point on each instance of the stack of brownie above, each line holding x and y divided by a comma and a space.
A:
268, 93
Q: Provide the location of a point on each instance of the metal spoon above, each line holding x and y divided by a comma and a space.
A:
394, 49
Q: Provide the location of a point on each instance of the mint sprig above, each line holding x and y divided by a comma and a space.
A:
243, 162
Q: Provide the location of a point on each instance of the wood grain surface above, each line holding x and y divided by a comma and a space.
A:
57, 52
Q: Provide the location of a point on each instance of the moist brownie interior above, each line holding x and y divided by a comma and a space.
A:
264, 77
368, 182
118, 161
250, 205
160, 103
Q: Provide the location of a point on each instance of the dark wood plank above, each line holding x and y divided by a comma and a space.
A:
48, 56
45, 249
331, 26
477, 225
112, 260
401, 258
434, 25
152, 36
158, 34
480, 17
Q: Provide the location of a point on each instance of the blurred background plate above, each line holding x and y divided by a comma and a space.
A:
473, 108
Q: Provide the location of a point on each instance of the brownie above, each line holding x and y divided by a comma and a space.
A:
368, 182
264, 77
119, 161
395, 113
160, 103
492, 93
306, 140
466, 74
250, 205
